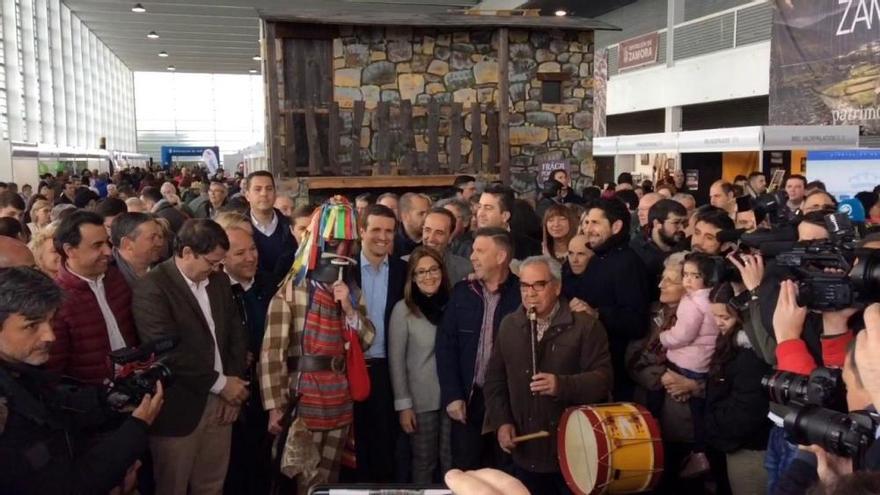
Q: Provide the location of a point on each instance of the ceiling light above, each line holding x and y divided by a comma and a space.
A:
138, 8
253, 71
561, 13
257, 57
172, 68
163, 53
153, 35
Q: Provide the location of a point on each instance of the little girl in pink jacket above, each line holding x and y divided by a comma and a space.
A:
690, 343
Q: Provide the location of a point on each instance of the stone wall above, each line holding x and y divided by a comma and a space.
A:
421, 65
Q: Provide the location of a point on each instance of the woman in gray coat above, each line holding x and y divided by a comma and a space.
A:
412, 332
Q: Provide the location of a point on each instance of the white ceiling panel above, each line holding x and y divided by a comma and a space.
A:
218, 36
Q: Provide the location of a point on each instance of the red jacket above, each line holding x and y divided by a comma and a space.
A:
792, 355
81, 342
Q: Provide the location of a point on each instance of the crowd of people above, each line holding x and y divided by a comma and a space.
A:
401, 339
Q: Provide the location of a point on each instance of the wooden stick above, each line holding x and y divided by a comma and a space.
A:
531, 436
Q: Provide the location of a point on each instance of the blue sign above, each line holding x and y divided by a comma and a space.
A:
169, 152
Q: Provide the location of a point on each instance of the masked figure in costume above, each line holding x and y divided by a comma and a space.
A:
314, 319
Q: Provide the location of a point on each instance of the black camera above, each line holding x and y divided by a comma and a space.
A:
814, 414
844, 434
823, 387
138, 369
833, 274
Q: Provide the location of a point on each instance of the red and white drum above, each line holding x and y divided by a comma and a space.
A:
610, 448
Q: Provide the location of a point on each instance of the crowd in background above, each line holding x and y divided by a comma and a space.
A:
631, 283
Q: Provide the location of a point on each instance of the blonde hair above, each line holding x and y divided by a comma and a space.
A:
39, 240
229, 220
39, 205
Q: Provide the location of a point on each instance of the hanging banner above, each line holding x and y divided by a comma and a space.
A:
825, 63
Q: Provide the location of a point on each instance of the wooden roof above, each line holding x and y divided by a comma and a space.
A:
452, 20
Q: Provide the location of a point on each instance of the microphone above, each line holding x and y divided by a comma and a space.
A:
853, 209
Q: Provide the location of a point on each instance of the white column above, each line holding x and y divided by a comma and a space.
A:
79, 82
674, 16
68, 81
14, 90
57, 83
44, 58
30, 71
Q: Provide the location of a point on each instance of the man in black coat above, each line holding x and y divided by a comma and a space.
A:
668, 220
495, 210
614, 286
42, 443
465, 339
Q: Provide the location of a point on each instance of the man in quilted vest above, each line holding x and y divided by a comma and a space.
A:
95, 317
312, 320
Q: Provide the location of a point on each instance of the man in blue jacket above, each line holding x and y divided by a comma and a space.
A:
464, 345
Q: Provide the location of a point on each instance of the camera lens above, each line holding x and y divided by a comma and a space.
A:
784, 387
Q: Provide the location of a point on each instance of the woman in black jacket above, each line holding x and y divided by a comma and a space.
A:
736, 404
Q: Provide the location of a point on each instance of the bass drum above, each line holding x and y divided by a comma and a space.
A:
610, 448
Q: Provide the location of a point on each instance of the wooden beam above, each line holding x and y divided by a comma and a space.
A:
408, 140
290, 143
433, 136
273, 102
315, 159
504, 105
333, 139
376, 181
492, 138
357, 126
476, 138
383, 143
455, 133
301, 111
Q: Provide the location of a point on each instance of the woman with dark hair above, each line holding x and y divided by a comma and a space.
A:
411, 338
524, 220
736, 404
560, 225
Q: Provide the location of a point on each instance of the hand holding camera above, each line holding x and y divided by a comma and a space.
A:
789, 317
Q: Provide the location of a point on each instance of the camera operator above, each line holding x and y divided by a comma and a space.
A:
709, 221
42, 444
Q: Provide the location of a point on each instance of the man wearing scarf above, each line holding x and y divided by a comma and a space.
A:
312, 320
614, 286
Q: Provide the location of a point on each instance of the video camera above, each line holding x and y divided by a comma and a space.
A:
814, 416
139, 368
833, 274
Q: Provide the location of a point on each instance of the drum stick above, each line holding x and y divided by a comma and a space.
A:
531, 436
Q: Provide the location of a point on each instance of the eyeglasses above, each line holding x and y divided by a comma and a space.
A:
213, 263
433, 271
539, 286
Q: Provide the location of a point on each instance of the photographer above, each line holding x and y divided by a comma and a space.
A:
41, 445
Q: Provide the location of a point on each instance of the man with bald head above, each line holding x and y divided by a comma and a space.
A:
645, 204
14, 253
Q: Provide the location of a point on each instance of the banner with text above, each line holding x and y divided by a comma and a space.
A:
825, 63
636, 52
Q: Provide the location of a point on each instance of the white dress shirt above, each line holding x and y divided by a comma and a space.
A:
265, 229
114, 335
200, 291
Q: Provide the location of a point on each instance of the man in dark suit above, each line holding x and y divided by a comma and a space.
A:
186, 297
381, 278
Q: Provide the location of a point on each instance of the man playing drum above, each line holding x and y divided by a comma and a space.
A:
546, 358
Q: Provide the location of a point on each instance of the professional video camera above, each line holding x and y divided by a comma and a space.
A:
833, 274
139, 368
809, 421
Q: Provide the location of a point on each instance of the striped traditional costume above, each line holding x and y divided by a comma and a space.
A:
304, 324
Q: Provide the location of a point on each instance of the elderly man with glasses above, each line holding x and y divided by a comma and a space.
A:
541, 367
